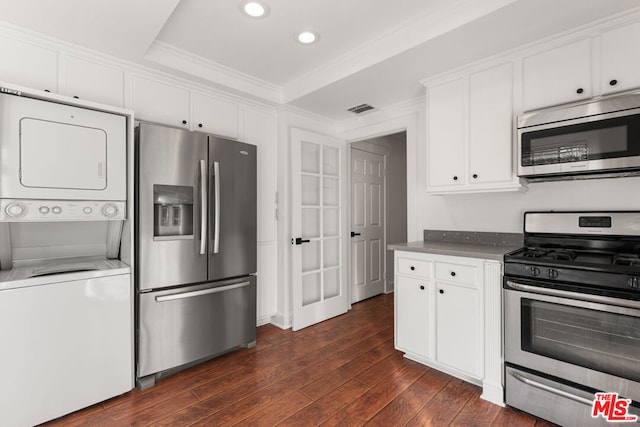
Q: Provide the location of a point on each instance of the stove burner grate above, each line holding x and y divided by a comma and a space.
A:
554, 254
629, 260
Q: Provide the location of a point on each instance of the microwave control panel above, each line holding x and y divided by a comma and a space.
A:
21, 210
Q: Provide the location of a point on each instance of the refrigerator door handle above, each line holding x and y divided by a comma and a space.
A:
203, 207
216, 201
184, 295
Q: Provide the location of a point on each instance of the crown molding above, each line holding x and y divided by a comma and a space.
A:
186, 62
444, 18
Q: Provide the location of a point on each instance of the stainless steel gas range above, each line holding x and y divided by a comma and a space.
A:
572, 315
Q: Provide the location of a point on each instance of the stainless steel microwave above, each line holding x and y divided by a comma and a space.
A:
596, 137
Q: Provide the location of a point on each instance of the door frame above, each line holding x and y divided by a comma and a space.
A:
416, 177
381, 151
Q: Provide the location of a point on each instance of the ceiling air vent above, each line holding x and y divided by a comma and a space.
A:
359, 109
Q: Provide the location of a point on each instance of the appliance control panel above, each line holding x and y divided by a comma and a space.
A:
21, 210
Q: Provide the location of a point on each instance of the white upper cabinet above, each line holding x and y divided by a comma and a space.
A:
446, 130
490, 129
621, 58
469, 133
557, 76
214, 115
26, 64
160, 102
92, 81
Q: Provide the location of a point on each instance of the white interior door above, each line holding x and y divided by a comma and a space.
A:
367, 224
319, 248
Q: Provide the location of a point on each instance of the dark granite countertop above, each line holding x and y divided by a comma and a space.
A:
468, 244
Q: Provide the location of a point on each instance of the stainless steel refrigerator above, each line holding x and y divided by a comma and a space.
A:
196, 248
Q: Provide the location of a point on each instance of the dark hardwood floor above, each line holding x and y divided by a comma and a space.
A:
342, 372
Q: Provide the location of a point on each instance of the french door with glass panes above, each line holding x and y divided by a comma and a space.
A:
318, 217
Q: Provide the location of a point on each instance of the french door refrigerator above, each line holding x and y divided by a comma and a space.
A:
196, 248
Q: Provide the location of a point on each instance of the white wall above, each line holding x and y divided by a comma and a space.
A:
503, 211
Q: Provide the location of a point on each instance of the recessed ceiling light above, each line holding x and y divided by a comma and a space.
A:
307, 37
255, 9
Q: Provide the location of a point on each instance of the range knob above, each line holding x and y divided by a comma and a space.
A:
634, 282
16, 210
535, 271
552, 273
109, 210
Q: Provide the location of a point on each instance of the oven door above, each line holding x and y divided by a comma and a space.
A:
585, 339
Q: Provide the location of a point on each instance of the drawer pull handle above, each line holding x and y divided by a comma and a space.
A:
441, 291
453, 274
422, 287
412, 268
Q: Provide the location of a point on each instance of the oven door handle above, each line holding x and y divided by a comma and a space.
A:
550, 389
570, 295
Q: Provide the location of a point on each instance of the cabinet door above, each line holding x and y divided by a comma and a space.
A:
412, 315
28, 65
93, 82
459, 327
446, 129
558, 76
490, 125
621, 59
159, 102
215, 116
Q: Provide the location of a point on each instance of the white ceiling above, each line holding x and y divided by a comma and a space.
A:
370, 51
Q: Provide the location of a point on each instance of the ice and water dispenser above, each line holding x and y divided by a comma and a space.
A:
172, 212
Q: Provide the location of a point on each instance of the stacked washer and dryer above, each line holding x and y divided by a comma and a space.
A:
66, 296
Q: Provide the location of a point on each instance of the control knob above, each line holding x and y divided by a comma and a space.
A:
634, 282
56, 209
552, 273
87, 210
109, 210
535, 271
44, 210
16, 209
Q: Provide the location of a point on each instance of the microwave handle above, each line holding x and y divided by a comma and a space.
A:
203, 207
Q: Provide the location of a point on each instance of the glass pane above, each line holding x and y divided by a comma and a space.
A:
330, 161
310, 157
605, 342
331, 283
311, 292
331, 249
310, 222
310, 190
331, 192
330, 220
311, 256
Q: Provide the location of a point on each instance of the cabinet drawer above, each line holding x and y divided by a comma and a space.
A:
414, 267
456, 273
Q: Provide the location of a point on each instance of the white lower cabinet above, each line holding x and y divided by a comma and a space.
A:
459, 328
415, 295
447, 316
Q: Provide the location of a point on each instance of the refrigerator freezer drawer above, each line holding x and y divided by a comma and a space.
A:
187, 324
